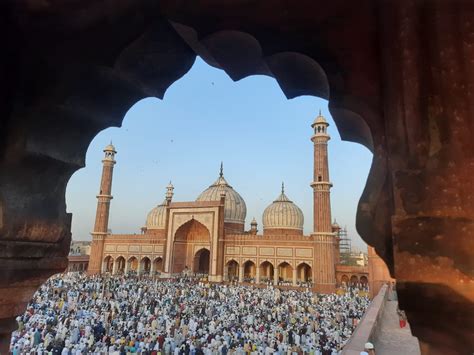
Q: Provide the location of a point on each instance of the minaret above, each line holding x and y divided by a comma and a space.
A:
324, 271
102, 214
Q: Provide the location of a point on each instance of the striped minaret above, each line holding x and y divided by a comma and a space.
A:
324, 263
103, 210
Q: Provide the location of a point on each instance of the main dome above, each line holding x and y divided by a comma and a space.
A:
156, 218
235, 209
283, 214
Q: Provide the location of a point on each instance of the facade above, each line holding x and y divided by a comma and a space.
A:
208, 236
78, 258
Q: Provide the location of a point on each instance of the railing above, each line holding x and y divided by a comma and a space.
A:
367, 326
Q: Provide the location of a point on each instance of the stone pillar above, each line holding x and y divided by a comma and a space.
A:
275, 276
257, 275
102, 213
324, 258
152, 268
127, 266
295, 276
226, 273
324, 270
114, 267
103, 267
241, 273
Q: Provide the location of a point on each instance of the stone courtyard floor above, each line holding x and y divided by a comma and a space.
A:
391, 339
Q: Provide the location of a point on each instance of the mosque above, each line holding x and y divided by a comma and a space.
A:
208, 235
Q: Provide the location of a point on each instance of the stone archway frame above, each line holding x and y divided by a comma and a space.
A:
129, 264
124, 258
374, 74
245, 261
271, 262
105, 264
299, 263
197, 250
207, 216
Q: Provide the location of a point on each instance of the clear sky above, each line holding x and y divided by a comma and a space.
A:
205, 118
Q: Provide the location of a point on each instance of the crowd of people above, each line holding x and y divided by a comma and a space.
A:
77, 314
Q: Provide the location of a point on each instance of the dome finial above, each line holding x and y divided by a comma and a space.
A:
282, 187
319, 112
221, 174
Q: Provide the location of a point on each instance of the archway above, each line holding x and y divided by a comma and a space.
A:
188, 237
345, 280
250, 271
266, 271
145, 265
201, 261
108, 264
357, 89
364, 281
158, 264
285, 272
120, 268
354, 280
232, 268
132, 264
304, 273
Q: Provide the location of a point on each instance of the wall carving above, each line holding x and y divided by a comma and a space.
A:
249, 250
308, 253
122, 247
159, 248
134, 248
284, 252
267, 251
232, 250
109, 247
147, 248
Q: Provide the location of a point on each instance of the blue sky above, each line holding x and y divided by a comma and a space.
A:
205, 118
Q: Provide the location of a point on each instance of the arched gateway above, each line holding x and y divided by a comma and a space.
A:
191, 248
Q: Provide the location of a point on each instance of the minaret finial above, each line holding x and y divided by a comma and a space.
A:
319, 112
282, 187
221, 174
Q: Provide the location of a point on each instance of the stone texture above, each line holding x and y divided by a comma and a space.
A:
399, 76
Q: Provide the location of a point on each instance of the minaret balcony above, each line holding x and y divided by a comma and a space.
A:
320, 185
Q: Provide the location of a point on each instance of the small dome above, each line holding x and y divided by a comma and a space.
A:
283, 214
156, 218
235, 209
110, 148
320, 119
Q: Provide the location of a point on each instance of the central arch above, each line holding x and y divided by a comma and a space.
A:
190, 238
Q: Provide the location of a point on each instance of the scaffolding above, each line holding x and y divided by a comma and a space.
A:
344, 241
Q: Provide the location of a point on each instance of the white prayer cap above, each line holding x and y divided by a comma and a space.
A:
368, 346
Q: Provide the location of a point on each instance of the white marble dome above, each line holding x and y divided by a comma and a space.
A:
235, 209
156, 218
283, 214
